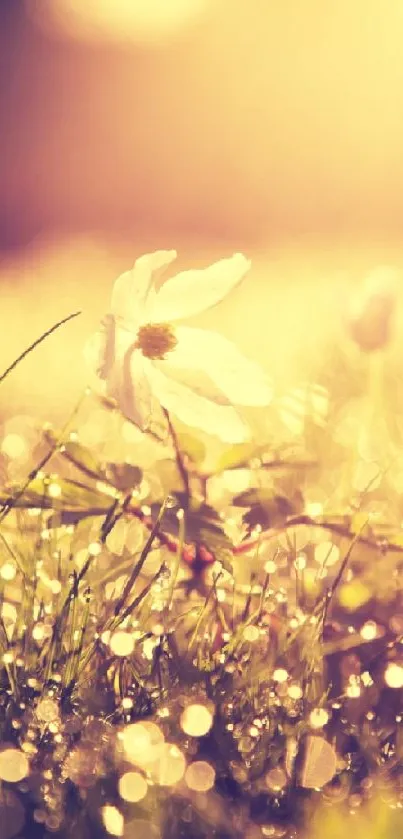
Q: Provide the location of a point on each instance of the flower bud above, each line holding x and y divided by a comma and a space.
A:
198, 557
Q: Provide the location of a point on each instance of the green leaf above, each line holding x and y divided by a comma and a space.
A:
192, 447
253, 496
169, 476
267, 508
239, 456
79, 455
73, 496
74, 517
123, 476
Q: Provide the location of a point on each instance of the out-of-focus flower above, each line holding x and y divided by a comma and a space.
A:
141, 356
369, 320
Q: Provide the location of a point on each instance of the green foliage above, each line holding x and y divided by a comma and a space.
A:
235, 642
77, 454
192, 447
74, 497
267, 508
122, 476
239, 456
203, 526
169, 476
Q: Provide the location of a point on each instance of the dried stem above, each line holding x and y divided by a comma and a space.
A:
333, 527
36, 344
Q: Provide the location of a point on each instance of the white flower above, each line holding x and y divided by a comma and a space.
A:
140, 354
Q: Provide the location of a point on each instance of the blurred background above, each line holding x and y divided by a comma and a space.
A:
211, 126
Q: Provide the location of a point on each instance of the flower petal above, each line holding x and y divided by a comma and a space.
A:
107, 347
132, 391
95, 353
243, 381
194, 410
194, 291
130, 291
119, 371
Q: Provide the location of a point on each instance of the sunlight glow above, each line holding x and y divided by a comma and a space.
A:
394, 675
14, 766
13, 445
132, 787
200, 776
113, 820
121, 20
122, 643
196, 720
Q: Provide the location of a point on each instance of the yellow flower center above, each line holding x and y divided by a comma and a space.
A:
154, 340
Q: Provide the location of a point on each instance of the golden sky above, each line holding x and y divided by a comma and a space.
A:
265, 119
271, 127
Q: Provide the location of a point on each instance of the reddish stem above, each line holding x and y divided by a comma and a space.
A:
189, 552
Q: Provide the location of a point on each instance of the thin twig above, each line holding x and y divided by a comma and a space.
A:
336, 582
143, 556
277, 463
36, 343
333, 527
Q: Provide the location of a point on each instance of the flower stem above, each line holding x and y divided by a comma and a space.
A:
178, 454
